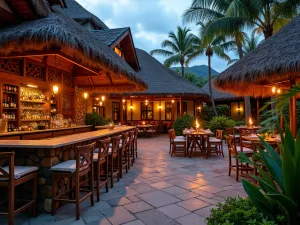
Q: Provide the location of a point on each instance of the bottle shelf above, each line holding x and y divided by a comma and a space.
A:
24, 120
11, 120
35, 102
7, 92
10, 108
27, 108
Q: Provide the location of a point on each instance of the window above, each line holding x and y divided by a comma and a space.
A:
147, 111
168, 111
116, 111
184, 108
118, 51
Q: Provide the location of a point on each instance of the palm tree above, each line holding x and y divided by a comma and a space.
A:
179, 47
215, 46
250, 43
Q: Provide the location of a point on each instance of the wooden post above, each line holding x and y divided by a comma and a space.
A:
293, 125
180, 106
257, 109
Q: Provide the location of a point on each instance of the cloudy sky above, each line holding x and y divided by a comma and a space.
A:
149, 20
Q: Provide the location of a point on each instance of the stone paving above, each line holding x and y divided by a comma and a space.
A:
157, 190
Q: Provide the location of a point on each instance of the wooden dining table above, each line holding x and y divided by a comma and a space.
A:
255, 138
197, 138
144, 128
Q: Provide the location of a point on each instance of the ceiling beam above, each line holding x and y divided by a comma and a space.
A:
91, 81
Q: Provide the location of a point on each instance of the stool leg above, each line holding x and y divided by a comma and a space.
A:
98, 182
34, 196
11, 204
92, 186
121, 164
112, 172
77, 186
106, 174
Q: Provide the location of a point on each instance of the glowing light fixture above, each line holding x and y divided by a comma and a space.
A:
85, 95
32, 86
102, 98
173, 100
123, 100
100, 103
55, 89
131, 107
278, 91
273, 90
97, 99
250, 122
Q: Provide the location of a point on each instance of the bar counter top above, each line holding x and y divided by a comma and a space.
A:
62, 141
42, 131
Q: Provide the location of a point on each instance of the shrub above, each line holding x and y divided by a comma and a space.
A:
220, 123
223, 110
207, 113
95, 119
237, 211
183, 122
240, 123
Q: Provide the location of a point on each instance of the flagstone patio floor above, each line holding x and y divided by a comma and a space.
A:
158, 190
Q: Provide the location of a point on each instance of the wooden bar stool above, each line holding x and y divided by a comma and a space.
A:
79, 170
123, 154
136, 133
101, 166
130, 151
114, 159
12, 176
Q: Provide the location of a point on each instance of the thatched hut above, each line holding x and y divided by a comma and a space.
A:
275, 62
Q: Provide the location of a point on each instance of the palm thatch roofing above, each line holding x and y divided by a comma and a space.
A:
162, 80
77, 12
60, 32
274, 60
110, 36
220, 95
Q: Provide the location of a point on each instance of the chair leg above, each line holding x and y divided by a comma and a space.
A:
118, 167
98, 182
229, 171
106, 174
11, 204
112, 172
121, 164
237, 169
77, 187
34, 196
222, 150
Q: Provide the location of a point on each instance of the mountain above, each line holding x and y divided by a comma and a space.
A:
199, 71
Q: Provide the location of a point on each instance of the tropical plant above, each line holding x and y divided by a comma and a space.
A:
223, 110
239, 211
178, 47
206, 114
190, 77
249, 43
220, 123
216, 46
186, 121
95, 119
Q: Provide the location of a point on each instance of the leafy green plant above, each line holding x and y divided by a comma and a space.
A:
186, 121
95, 119
278, 190
237, 211
206, 114
240, 123
223, 110
220, 123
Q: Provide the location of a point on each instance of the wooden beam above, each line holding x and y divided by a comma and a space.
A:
106, 86
91, 81
109, 78
293, 125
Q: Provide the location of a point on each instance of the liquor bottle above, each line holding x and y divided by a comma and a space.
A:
15, 89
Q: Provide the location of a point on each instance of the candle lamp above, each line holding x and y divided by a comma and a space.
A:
197, 125
250, 122
143, 122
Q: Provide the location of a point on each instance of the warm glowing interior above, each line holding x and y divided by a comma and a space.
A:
118, 51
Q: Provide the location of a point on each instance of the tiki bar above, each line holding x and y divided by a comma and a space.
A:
49, 67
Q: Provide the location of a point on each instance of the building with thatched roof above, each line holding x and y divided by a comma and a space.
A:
273, 65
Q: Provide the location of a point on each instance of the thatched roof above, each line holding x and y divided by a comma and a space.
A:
220, 95
272, 61
110, 36
77, 12
62, 32
162, 80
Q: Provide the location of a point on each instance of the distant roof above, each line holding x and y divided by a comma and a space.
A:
77, 12
219, 95
110, 36
162, 80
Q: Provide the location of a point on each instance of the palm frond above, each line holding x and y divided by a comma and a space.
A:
161, 52
173, 60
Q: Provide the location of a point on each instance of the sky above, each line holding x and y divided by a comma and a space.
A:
150, 22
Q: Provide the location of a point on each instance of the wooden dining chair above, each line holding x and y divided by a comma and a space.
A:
177, 145
114, 159
79, 171
233, 151
232, 131
135, 142
12, 176
123, 153
215, 144
101, 166
245, 132
130, 151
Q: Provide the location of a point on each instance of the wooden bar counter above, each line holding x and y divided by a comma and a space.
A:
48, 152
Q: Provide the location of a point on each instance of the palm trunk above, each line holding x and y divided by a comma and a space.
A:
209, 85
182, 67
247, 99
268, 32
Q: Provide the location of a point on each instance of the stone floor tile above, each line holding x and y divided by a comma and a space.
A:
191, 219
134, 199
175, 190
155, 217
92, 215
138, 206
20, 219
211, 189
118, 201
202, 193
209, 200
161, 185
186, 196
110, 195
142, 188
103, 221
118, 215
71, 221
174, 211
127, 191
158, 198
193, 204
184, 184
41, 219
136, 222
204, 212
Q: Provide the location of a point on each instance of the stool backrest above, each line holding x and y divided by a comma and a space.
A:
84, 157
125, 140
231, 145
219, 134
171, 133
103, 148
115, 144
4, 158
131, 137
